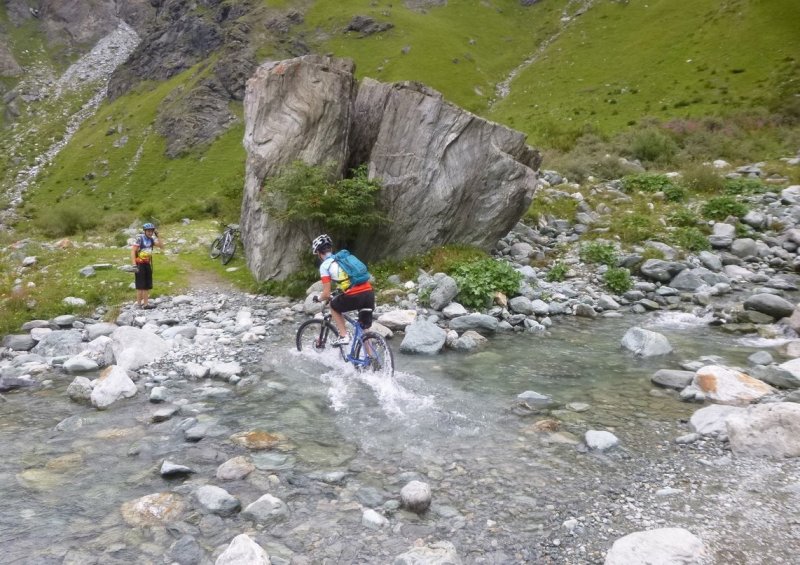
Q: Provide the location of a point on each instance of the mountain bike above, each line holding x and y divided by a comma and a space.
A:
225, 245
368, 351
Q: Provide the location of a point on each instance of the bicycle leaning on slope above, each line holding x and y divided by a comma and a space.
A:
225, 245
368, 351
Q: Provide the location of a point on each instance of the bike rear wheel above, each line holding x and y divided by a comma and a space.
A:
228, 249
375, 355
216, 248
313, 335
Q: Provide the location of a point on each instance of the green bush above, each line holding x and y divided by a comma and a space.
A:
478, 281
293, 286
558, 207
690, 239
703, 179
721, 207
65, 220
735, 187
598, 252
636, 227
558, 272
618, 280
653, 146
646, 182
305, 193
675, 193
683, 218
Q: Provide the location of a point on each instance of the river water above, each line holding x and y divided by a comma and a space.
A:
503, 491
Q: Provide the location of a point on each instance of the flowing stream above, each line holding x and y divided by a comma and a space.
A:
503, 491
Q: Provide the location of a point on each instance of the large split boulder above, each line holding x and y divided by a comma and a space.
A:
448, 176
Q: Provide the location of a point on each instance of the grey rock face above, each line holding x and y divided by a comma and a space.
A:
664, 545
21, 342
644, 343
423, 337
476, 322
659, 270
445, 291
216, 500
770, 305
416, 496
476, 178
670, 378
771, 430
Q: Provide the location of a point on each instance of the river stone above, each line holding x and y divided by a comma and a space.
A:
80, 390
670, 378
215, 500
79, 364
521, 305
768, 430
791, 194
585, 311
170, 469
423, 337
398, 319
660, 270
728, 386
777, 375
267, 509
476, 322
93, 331
533, 398
134, 348
373, 520
644, 343
688, 279
186, 551
195, 370
542, 308
416, 496
770, 305
710, 421
112, 385
153, 509
225, 370
600, 440
760, 358
664, 546
235, 469
445, 291
710, 261
189, 332
64, 321
164, 413
437, 553
20, 342
243, 551
61, 343
257, 439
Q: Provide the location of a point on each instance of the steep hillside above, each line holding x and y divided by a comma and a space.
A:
167, 142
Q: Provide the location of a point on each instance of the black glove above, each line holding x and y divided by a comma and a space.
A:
316, 298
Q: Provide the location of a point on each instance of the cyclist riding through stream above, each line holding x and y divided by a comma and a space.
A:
352, 297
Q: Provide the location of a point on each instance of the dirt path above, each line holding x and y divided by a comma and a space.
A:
202, 279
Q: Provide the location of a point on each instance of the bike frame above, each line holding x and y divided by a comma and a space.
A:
358, 339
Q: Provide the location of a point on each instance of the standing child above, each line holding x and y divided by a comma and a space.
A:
142, 259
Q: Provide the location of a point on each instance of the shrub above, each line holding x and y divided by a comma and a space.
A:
690, 239
305, 193
618, 280
683, 218
744, 186
636, 227
558, 207
65, 220
293, 286
653, 146
721, 207
478, 281
704, 179
598, 252
646, 182
675, 193
558, 272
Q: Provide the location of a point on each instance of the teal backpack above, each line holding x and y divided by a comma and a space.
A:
355, 268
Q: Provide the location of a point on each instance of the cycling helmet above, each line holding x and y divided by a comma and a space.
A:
320, 242
148, 226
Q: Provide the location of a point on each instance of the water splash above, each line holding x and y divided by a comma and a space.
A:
678, 320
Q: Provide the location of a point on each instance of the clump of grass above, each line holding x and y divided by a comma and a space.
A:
561, 207
683, 218
690, 239
558, 272
743, 187
646, 182
653, 146
599, 252
636, 227
618, 280
703, 179
721, 207
65, 220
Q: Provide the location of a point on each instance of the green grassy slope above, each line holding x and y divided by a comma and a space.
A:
669, 59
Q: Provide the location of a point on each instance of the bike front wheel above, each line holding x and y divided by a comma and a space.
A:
228, 249
375, 355
216, 248
313, 335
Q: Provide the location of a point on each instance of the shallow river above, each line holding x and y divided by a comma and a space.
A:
503, 492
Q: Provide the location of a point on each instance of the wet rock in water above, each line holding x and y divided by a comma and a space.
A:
243, 551
644, 343
671, 378
760, 358
728, 386
266, 510
158, 394
112, 385
170, 469
474, 322
216, 500
186, 551
59, 343
164, 413
535, 399
196, 370
134, 348
600, 440
454, 310
80, 364
416, 496
80, 390
585, 311
235, 469
710, 421
225, 370
153, 509
8, 382
768, 430
786, 375
423, 337
436, 553
373, 520
257, 439
769, 304
578, 407
664, 545
398, 319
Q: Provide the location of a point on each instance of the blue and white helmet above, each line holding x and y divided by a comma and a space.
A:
321, 241
148, 226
